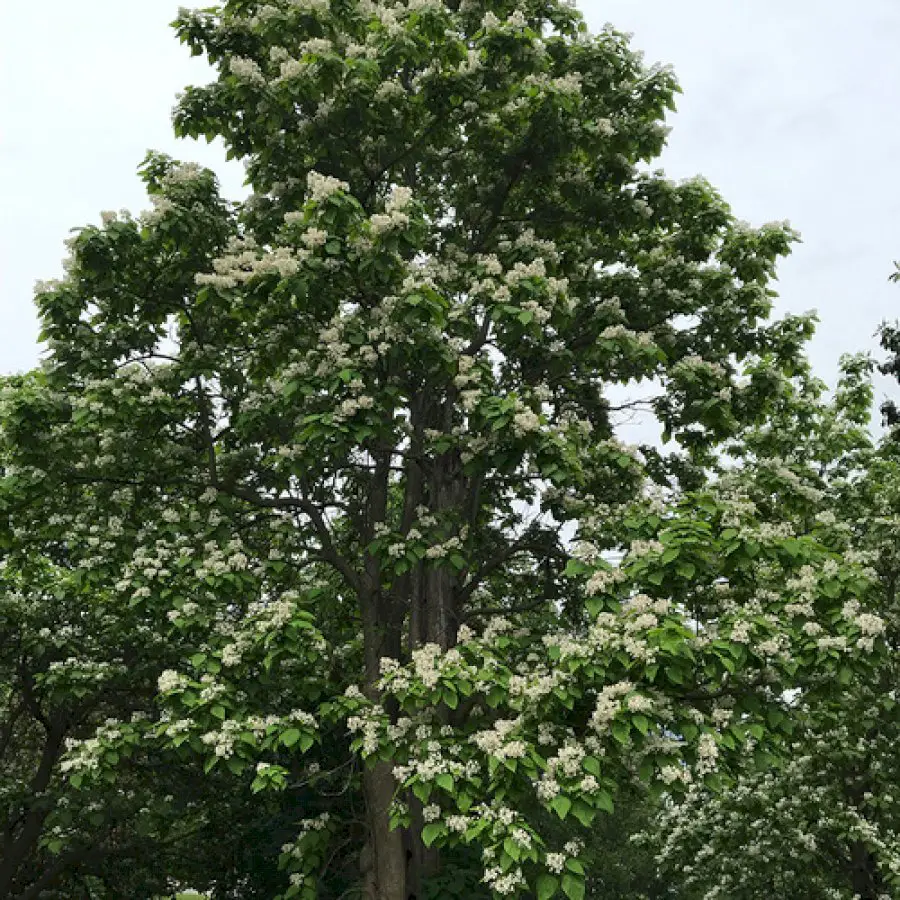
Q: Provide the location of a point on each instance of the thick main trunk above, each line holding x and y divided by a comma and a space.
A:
422, 862
441, 625
388, 870
425, 601
386, 876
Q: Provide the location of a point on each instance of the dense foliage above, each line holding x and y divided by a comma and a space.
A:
326, 571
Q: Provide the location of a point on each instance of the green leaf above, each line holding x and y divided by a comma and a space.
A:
431, 832
561, 805
547, 886
445, 781
573, 887
290, 737
583, 813
621, 732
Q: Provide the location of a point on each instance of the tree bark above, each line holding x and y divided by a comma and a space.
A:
21, 840
389, 863
422, 861
864, 873
425, 600
382, 637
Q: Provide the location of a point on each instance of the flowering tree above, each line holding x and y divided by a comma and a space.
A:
361, 428
79, 662
823, 821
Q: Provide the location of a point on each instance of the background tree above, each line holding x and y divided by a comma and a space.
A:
823, 820
79, 660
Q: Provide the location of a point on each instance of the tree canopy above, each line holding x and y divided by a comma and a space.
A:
327, 571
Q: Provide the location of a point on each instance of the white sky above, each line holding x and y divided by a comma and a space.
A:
790, 107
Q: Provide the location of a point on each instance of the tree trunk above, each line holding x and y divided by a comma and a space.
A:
21, 841
422, 861
389, 853
864, 875
425, 599
382, 636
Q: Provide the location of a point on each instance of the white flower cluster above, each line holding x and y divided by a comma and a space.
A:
223, 741
220, 560
498, 741
566, 85
290, 69
183, 173
504, 883
321, 187
535, 684
246, 70
521, 271
367, 723
694, 365
526, 421
244, 261
773, 646
707, 754
609, 703
671, 774
644, 548
271, 615
314, 237
84, 755
295, 848
555, 862
439, 551
310, 6
394, 216
603, 580
170, 680
870, 625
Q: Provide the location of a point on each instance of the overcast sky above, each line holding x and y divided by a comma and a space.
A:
790, 107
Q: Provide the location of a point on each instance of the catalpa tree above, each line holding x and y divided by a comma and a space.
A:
363, 423
824, 821
85, 808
